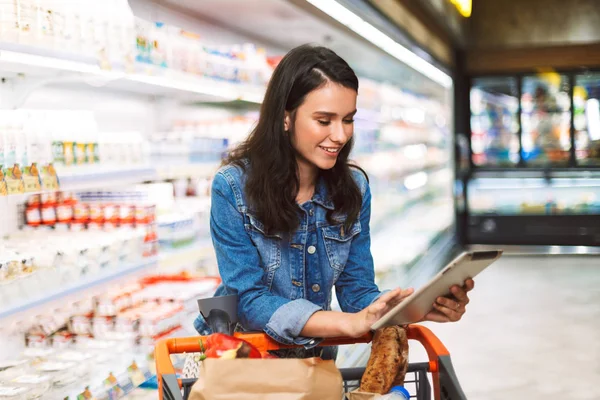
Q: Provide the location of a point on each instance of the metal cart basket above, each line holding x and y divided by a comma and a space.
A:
439, 368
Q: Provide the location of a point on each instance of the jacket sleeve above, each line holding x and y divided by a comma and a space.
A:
242, 274
356, 288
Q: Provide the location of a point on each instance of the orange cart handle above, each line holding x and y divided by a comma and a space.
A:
165, 347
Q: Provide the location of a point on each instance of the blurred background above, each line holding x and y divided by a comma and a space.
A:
478, 123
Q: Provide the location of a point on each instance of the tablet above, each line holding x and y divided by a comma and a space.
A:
417, 305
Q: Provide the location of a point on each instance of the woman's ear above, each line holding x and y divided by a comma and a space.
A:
287, 121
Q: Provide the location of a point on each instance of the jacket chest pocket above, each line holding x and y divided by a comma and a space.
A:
338, 242
268, 246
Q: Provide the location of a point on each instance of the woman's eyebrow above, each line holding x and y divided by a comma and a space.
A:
332, 114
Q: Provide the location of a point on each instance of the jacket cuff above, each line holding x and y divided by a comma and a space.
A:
287, 322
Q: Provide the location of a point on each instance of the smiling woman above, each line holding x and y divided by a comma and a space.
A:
290, 216
304, 133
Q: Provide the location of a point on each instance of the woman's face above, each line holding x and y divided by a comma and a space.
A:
323, 125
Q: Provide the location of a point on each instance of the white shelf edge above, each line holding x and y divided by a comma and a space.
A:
29, 56
78, 286
173, 258
92, 179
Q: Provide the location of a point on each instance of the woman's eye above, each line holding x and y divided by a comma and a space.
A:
324, 123
349, 121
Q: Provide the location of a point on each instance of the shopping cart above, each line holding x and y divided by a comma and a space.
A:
438, 368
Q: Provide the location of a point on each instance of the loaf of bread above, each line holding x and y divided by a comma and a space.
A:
388, 361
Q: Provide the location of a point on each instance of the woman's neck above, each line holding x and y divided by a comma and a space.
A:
307, 177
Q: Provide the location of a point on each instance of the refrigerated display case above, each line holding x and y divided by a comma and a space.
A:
545, 120
536, 208
534, 176
494, 121
586, 102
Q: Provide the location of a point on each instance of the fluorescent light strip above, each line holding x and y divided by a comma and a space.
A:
47, 62
381, 40
217, 89
94, 71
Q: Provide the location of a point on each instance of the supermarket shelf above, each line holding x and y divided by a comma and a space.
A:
58, 67
78, 286
172, 258
89, 179
200, 170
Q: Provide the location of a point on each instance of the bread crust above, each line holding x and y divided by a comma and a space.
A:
388, 361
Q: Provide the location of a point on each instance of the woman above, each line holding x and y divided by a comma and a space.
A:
290, 215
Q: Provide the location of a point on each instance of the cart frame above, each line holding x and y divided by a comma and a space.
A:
445, 382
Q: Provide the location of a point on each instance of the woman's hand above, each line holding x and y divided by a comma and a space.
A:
360, 323
451, 309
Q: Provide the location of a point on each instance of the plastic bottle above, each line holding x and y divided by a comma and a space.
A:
3, 128
87, 27
9, 22
10, 139
397, 393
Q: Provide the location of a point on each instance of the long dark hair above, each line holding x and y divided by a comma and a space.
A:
272, 177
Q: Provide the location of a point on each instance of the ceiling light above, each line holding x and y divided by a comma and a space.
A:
381, 40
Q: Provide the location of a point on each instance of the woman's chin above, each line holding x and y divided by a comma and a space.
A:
326, 164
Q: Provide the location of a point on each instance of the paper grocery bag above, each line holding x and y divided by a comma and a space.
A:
356, 395
268, 379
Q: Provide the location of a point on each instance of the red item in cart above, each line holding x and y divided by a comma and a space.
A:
220, 345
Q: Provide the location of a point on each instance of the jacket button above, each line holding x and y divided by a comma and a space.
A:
311, 212
311, 249
316, 288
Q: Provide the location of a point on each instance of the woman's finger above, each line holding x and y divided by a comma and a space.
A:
453, 315
469, 285
460, 294
449, 303
389, 295
436, 316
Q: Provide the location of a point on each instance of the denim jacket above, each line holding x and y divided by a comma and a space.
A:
282, 279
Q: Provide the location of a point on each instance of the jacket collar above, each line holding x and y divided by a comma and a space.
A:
320, 196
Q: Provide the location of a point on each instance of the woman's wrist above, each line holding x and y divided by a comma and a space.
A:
349, 325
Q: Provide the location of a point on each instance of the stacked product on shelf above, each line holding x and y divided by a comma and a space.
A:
199, 140
36, 145
586, 118
102, 210
35, 263
402, 142
112, 36
494, 124
74, 349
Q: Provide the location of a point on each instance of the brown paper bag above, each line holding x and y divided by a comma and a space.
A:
268, 379
356, 395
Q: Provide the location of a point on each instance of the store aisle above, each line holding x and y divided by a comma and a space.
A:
531, 331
